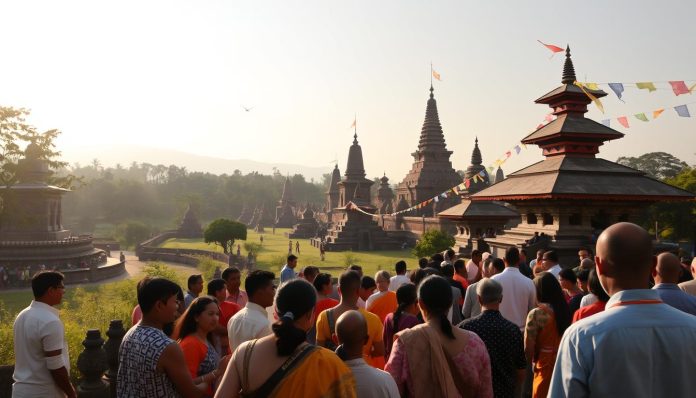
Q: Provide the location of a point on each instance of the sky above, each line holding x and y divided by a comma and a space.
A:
176, 74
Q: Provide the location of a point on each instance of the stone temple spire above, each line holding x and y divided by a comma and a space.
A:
286, 197
432, 138
355, 167
476, 158
568, 69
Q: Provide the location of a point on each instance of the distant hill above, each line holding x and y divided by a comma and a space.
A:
125, 155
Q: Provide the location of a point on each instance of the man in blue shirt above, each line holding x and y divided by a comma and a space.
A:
666, 276
637, 347
288, 272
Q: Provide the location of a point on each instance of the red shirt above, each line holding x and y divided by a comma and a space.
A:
588, 310
462, 280
324, 304
227, 310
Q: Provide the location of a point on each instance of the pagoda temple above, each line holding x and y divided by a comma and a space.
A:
476, 168
499, 175
572, 195
306, 227
385, 197
190, 227
285, 212
432, 172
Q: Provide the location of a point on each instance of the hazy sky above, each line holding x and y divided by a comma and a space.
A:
175, 74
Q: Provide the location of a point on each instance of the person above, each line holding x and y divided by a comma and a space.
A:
550, 263
367, 287
525, 269
471, 308
434, 359
216, 289
309, 273
239, 250
297, 246
538, 259
666, 275
400, 278
283, 364
573, 294
503, 340
322, 251
218, 273
449, 257
460, 273
151, 365
636, 326
122, 257
472, 267
690, 286
349, 286
422, 262
351, 333
583, 276
261, 239
520, 293
382, 302
250, 260
601, 298
42, 362
195, 287
290, 247
543, 331
584, 253
233, 280
404, 317
288, 272
194, 333
322, 284
251, 322
455, 315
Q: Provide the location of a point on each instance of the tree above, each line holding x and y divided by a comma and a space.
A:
132, 233
224, 232
659, 165
433, 241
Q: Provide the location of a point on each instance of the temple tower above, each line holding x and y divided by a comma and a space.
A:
285, 216
385, 197
190, 227
476, 168
333, 194
432, 172
499, 175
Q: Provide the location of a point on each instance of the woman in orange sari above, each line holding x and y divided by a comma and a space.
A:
284, 364
544, 328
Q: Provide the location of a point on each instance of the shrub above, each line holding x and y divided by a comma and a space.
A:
207, 267
350, 258
432, 241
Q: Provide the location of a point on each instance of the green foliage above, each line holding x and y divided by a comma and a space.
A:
350, 258
224, 232
676, 220
658, 165
156, 269
253, 247
433, 241
131, 233
207, 267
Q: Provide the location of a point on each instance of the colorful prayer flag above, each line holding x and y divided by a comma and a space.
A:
641, 116
606, 122
436, 199
679, 87
691, 89
592, 86
594, 99
517, 149
491, 169
682, 111
623, 120
554, 49
443, 195
617, 88
482, 173
467, 183
354, 122
658, 112
540, 126
646, 86
524, 146
508, 154
436, 76
549, 117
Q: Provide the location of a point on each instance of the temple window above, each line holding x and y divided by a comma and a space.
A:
531, 218
547, 219
575, 219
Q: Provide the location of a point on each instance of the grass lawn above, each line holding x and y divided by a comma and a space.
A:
16, 300
275, 250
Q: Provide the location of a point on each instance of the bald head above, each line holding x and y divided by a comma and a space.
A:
668, 269
624, 257
351, 331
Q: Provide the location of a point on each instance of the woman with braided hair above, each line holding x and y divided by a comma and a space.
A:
405, 316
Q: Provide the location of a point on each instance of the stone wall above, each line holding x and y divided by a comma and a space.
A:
95, 274
148, 251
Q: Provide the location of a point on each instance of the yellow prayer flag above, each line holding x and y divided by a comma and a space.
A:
657, 112
650, 86
594, 99
436, 75
592, 86
691, 89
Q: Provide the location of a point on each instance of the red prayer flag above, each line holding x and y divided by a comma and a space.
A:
554, 49
679, 88
467, 183
623, 120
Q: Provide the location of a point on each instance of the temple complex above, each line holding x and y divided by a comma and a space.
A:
190, 227
285, 211
306, 227
432, 172
572, 195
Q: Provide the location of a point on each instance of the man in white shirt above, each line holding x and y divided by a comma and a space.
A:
400, 278
550, 263
520, 293
472, 267
351, 332
42, 365
251, 322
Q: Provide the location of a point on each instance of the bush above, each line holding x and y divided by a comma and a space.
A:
207, 267
131, 233
155, 269
350, 258
433, 241
252, 247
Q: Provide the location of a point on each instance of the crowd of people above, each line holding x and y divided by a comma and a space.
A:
605, 326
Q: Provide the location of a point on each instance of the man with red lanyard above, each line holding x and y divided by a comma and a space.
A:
639, 346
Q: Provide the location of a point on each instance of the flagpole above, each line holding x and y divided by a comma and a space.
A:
431, 73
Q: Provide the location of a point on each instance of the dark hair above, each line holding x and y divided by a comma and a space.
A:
367, 282
476, 252
584, 275
349, 282
551, 255
186, 324
152, 290
549, 291
229, 271
436, 294
437, 258
587, 249
310, 270
418, 275
447, 270
400, 267
497, 263
422, 262
293, 300
406, 295
523, 251
321, 280
512, 256
45, 280
257, 280
596, 287
450, 254
215, 286
291, 257
193, 279
568, 275
356, 268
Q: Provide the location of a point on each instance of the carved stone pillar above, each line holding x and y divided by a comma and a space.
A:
115, 333
92, 364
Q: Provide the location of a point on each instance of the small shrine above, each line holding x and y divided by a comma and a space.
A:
306, 227
385, 197
285, 211
190, 227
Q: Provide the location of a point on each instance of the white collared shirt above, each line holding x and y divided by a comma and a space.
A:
372, 382
251, 322
555, 270
519, 295
396, 281
37, 329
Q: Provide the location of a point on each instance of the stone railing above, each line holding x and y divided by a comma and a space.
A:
148, 251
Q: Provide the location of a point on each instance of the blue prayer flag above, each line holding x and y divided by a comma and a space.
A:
682, 111
606, 122
618, 89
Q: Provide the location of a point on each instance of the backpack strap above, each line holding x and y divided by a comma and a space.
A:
245, 364
292, 362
